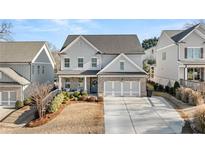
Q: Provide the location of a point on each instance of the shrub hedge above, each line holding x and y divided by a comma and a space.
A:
56, 103
19, 104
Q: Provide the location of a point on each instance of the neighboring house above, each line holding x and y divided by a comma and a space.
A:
180, 55
150, 53
57, 63
23, 63
149, 60
103, 64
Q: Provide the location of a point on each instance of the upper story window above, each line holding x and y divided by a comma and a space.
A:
38, 68
163, 55
0, 75
80, 62
94, 62
67, 62
43, 69
33, 69
122, 65
193, 53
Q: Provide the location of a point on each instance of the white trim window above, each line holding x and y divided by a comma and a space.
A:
43, 69
122, 65
94, 62
0, 75
194, 53
66, 62
80, 62
163, 55
38, 69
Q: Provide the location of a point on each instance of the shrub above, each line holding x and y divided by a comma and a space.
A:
156, 86
66, 95
84, 93
27, 101
100, 99
185, 94
171, 91
199, 119
56, 103
197, 98
76, 94
19, 104
176, 85
92, 99
167, 89
83, 98
179, 93
160, 88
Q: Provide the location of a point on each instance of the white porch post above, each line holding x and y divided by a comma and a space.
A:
185, 73
59, 83
85, 83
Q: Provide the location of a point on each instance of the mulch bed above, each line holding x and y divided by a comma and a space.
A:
48, 117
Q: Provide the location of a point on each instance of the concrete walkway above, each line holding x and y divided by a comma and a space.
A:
131, 115
5, 111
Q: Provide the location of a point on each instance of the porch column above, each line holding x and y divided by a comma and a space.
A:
59, 83
185, 73
85, 83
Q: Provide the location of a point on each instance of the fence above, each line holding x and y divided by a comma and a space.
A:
195, 85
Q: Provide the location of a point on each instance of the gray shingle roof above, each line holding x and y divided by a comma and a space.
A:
177, 35
13, 75
78, 72
111, 43
19, 51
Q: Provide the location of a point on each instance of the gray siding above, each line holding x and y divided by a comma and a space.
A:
22, 69
43, 57
5, 78
46, 77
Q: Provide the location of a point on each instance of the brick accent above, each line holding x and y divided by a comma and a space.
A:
102, 79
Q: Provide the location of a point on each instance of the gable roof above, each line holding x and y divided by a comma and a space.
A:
19, 51
13, 75
178, 35
110, 44
139, 69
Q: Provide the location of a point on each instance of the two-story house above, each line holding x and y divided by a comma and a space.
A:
21, 64
180, 55
109, 65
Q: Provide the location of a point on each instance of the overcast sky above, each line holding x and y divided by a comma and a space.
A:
56, 31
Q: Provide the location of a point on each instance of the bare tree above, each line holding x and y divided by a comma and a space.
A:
194, 22
5, 31
38, 92
51, 46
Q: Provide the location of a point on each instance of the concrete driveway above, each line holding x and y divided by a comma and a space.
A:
4, 111
131, 115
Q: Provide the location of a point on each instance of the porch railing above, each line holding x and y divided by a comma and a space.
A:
195, 85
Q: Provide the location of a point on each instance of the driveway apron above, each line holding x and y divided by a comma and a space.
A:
130, 115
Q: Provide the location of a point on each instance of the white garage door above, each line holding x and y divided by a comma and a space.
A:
122, 88
7, 98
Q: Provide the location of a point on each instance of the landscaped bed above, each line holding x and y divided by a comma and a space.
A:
59, 102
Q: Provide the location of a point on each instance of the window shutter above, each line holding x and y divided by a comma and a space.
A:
185, 53
202, 52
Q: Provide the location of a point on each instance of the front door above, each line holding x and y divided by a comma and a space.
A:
93, 85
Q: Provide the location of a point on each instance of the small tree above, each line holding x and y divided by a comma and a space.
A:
38, 92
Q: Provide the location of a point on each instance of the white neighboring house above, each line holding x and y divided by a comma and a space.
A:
180, 55
108, 65
150, 54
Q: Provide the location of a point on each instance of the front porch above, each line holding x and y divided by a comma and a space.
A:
192, 73
78, 83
